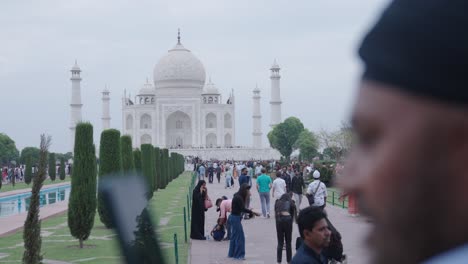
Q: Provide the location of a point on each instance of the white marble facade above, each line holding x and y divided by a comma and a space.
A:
180, 110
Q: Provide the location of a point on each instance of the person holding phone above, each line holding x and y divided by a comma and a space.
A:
198, 211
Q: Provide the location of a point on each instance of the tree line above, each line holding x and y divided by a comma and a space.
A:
117, 158
291, 135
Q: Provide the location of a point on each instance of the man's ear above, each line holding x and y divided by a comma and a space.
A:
307, 233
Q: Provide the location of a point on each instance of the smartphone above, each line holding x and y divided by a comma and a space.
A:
125, 198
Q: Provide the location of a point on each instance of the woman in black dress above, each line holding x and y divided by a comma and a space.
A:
198, 211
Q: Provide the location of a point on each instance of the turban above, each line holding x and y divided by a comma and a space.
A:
420, 47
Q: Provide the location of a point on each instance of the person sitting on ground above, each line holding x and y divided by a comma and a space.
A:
218, 231
315, 234
224, 207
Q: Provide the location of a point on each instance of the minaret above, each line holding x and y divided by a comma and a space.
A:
275, 103
75, 114
257, 119
105, 109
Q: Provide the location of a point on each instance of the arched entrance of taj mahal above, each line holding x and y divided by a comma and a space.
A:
178, 130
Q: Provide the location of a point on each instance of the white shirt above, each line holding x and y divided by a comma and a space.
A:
258, 169
279, 187
319, 198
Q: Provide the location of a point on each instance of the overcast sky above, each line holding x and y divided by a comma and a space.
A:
118, 43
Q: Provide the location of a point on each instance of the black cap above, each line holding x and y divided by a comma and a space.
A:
421, 47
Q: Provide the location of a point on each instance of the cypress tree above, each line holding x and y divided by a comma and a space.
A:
171, 168
62, 169
52, 172
157, 164
32, 225
137, 160
166, 166
147, 167
27, 170
82, 201
128, 162
154, 170
163, 169
110, 165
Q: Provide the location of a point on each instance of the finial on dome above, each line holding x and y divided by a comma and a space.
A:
178, 36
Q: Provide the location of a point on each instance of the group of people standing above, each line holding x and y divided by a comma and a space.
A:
286, 190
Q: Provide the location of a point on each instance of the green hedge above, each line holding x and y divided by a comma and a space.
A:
52, 172
110, 165
28, 170
147, 165
62, 169
82, 202
157, 165
137, 160
128, 162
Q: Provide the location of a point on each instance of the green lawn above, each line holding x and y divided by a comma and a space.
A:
27, 187
102, 246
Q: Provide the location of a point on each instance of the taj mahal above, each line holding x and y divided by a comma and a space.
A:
183, 111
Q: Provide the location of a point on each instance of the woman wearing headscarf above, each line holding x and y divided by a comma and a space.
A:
285, 212
198, 211
237, 242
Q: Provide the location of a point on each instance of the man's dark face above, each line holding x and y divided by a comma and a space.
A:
396, 169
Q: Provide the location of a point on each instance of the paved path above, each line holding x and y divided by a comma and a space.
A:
14, 223
25, 190
260, 234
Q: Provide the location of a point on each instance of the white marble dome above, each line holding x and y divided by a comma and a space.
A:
179, 69
210, 88
146, 89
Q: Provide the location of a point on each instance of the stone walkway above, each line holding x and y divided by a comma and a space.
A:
260, 234
14, 223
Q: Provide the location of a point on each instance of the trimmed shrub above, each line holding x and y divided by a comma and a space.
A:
128, 163
157, 164
62, 169
137, 160
82, 202
28, 170
110, 165
52, 167
147, 160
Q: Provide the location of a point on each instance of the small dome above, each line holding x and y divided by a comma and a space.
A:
147, 89
179, 68
275, 65
76, 67
256, 89
210, 88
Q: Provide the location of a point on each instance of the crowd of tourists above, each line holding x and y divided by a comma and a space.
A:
286, 186
17, 173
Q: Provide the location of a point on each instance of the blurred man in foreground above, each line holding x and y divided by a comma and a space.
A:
408, 167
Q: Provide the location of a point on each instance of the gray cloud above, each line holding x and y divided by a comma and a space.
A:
118, 43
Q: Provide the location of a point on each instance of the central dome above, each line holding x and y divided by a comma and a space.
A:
179, 68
